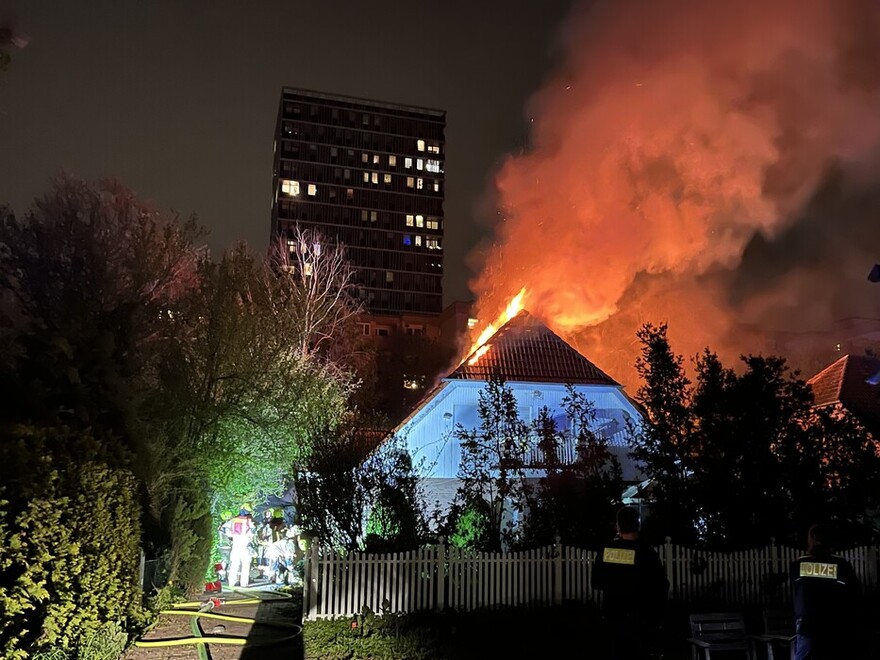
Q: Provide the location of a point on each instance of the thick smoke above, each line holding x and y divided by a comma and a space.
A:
705, 163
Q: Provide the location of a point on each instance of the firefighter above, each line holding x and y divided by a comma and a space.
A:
827, 601
634, 590
240, 531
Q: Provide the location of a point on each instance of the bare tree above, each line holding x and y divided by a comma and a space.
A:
316, 283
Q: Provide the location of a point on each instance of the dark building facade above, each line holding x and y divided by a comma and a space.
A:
368, 175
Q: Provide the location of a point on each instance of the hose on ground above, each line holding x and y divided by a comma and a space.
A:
204, 611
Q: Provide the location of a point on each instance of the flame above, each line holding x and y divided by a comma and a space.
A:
480, 352
669, 176
479, 347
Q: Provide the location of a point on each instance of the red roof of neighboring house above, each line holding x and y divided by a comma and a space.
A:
524, 349
845, 382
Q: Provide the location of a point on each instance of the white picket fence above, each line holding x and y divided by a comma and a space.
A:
440, 577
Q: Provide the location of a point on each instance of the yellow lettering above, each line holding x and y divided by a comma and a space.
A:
619, 556
818, 569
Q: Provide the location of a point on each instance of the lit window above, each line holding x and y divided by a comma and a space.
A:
290, 187
392, 161
409, 220
420, 145
432, 165
433, 223
375, 177
418, 240
407, 163
436, 185
349, 193
410, 182
387, 178
434, 148
365, 158
472, 322
433, 243
389, 276
346, 174
420, 184
364, 215
291, 246
375, 159
307, 269
420, 221
366, 177
313, 190
407, 240
374, 216
410, 383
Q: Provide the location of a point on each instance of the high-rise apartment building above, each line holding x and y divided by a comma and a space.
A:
368, 175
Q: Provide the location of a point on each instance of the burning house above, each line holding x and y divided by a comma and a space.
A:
537, 366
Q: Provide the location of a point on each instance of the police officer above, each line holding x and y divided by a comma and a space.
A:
827, 605
634, 590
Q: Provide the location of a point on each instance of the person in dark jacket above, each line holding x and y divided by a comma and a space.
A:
827, 601
634, 590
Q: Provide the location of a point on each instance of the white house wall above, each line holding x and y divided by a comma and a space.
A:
429, 433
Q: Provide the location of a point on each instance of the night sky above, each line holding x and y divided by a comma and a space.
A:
178, 99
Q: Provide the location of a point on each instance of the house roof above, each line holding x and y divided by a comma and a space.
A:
524, 349
845, 383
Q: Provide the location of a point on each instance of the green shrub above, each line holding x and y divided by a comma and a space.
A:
69, 542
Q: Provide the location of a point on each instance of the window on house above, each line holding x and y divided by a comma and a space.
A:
364, 215
389, 276
420, 221
420, 145
409, 220
392, 161
433, 223
387, 178
420, 184
436, 185
349, 193
410, 182
366, 177
365, 328
420, 164
381, 331
346, 174
289, 187
313, 190
407, 239
433, 243
374, 216
407, 163
418, 241
376, 159
365, 158
432, 165
334, 152
375, 177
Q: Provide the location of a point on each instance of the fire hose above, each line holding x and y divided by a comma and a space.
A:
203, 611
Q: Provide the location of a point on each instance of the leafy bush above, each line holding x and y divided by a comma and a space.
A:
69, 542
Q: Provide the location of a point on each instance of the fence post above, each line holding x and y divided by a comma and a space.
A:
310, 579
557, 571
667, 561
442, 574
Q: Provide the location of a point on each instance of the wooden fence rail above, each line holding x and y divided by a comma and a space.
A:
440, 577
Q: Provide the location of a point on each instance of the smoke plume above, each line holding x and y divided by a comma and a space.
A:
705, 163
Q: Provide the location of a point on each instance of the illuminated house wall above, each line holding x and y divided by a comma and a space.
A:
537, 365
369, 175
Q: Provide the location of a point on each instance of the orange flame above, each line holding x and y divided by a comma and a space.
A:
479, 347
